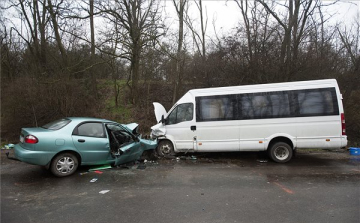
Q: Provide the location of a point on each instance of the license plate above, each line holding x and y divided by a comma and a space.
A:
22, 139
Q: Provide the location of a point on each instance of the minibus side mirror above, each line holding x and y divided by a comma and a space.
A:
162, 119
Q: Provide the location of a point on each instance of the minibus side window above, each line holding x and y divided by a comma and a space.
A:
216, 108
182, 113
264, 105
317, 102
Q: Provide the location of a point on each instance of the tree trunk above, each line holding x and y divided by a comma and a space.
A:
179, 55
93, 86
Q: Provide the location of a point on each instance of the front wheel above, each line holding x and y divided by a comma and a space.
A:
281, 152
64, 164
165, 148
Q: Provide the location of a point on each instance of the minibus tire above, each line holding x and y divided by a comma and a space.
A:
165, 148
280, 152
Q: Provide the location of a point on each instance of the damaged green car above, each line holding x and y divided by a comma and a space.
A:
65, 144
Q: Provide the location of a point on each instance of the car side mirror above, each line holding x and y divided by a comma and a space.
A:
162, 119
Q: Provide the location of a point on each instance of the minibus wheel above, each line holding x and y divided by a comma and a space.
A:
280, 152
165, 148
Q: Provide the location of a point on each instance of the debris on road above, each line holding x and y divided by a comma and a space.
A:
9, 146
93, 180
101, 168
104, 191
262, 161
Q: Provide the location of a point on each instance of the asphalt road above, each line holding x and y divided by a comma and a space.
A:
321, 186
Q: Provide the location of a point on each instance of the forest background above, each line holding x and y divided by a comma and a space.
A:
112, 58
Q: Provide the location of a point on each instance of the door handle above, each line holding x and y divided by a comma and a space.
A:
193, 127
81, 140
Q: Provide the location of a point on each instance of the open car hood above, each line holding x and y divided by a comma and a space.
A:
133, 127
159, 111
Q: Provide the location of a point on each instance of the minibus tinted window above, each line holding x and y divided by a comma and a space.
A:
316, 102
265, 105
277, 104
216, 108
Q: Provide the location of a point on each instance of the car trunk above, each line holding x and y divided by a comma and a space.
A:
31, 131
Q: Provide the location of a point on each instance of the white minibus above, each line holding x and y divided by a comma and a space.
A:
278, 118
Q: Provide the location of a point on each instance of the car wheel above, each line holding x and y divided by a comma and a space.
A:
64, 164
165, 148
281, 152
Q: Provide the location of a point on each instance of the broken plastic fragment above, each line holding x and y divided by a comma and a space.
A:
98, 171
104, 191
101, 168
93, 180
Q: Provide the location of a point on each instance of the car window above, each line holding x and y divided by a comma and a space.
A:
58, 124
118, 136
90, 129
182, 113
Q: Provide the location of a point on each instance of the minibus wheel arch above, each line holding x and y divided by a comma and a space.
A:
280, 149
280, 139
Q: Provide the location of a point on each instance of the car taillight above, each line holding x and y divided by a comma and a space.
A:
343, 125
31, 139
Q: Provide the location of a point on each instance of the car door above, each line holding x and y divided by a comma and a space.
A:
92, 142
125, 146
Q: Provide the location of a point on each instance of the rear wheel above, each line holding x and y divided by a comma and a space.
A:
165, 148
280, 152
64, 165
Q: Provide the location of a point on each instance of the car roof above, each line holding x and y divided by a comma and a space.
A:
84, 119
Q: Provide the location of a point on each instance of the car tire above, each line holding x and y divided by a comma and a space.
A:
64, 164
280, 152
165, 148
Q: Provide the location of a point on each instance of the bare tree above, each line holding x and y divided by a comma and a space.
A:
35, 17
294, 26
199, 38
54, 15
351, 40
180, 60
139, 23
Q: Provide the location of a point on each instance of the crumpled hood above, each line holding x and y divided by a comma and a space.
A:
133, 127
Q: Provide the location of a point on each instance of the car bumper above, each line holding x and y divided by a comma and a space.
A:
33, 157
148, 144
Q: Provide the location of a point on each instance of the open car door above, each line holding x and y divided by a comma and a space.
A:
124, 146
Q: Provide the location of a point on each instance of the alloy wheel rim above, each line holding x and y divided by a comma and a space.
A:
65, 165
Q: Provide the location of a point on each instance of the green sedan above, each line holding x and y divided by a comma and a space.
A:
65, 144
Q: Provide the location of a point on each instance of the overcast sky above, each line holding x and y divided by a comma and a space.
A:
227, 14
